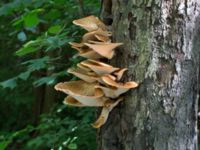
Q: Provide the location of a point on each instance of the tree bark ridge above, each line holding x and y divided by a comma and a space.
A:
161, 50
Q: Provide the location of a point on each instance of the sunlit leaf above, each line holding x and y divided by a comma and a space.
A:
29, 47
4, 144
72, 146
31, 20
25, 50
54, 29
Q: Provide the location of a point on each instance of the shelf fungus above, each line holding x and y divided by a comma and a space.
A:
99, 84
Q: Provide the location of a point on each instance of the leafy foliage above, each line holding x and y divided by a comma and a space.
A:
35, 55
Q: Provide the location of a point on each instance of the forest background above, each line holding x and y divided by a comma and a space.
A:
34, 56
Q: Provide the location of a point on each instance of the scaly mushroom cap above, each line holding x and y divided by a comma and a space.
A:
105, 112
104, 49
90, 23
99, 67
83, 74
72, 101
83, 92
100, 35
119, 73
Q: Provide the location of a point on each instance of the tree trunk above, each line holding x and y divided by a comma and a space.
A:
161, 50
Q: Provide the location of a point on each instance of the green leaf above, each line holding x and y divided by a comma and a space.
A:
24, 75
10, 83
54, 29
53, 14
45, 80
31, 20
72, 146
21, 36
4, 144
29, 47
37, 64
25, 50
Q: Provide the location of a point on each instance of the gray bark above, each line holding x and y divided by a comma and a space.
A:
161, 50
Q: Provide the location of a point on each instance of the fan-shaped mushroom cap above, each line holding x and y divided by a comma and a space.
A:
83, 74
119, 73
74, 44
113, 83
102, 38
97, 42
111, 92
105, 113
84, 92
86, 52
79, 65
90, 54
99, 67
90, 23
99, 34
72, 101
117, 88
104, 49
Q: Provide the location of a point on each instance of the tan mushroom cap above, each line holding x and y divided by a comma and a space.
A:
90, 23
97, 42
83, 74
100, 35
90, 54
86, 52
111, 92
72, 102
83, 92
99, 67
104, 49
79, 65
119, 73
103, 38
74, 44
109, 81
105, 112
115, 89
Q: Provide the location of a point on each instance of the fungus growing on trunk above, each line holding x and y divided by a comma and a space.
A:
99, 85
104, 49
99, 67
90, 23
98, 35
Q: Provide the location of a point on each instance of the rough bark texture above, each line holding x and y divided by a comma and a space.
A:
161, 49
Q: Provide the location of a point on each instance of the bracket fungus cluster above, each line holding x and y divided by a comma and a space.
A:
100, 84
